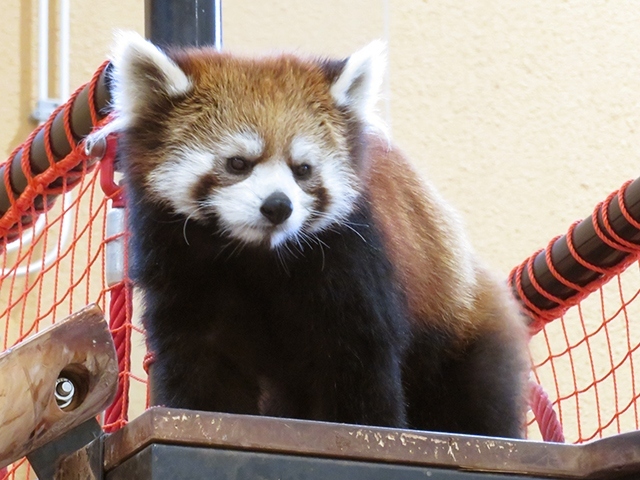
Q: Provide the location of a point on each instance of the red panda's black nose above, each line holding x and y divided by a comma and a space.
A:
277, 208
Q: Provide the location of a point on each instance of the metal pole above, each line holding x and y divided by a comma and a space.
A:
183, 23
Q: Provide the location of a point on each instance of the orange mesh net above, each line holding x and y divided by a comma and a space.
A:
588, 361
53, 244
57, 266
53, 262
586, 348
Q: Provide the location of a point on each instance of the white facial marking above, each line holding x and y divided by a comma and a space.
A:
339, 181
238, 206
173, 181
336, 177
246, 144
188, 165
304, 150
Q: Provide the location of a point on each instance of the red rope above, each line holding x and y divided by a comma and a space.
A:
120, 307
44, 183
542, 408
120, 303
148, 360
623, 206
545, 416
541, 316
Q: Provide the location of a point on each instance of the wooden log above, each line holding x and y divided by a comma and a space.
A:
79, 349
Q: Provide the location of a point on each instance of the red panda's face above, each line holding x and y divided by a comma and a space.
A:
261, 146
259, 193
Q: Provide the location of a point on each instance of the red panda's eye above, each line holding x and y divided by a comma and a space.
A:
302, 171
237, 165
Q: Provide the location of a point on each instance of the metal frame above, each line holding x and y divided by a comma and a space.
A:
183, 23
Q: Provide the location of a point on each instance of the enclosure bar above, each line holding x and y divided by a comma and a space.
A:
184, 23
590, 247
181, 23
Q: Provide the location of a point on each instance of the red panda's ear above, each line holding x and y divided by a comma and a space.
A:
357, 86
141, 75
142, 70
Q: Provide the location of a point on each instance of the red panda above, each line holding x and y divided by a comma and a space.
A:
291, 261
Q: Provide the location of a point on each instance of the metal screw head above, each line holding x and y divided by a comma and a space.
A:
64, 392
95, 149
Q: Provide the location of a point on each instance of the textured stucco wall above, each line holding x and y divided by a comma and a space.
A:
92, 24
523, 113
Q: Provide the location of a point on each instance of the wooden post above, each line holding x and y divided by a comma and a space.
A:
79, 350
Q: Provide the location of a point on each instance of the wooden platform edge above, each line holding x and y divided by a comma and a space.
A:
619, 454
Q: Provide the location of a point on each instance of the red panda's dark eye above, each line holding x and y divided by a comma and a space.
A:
302, 171
237, 165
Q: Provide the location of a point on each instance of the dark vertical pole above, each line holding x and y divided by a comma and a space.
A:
183, 23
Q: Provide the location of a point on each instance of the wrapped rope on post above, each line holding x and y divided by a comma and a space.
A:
52, 160
120, 286
576, 264
571, 267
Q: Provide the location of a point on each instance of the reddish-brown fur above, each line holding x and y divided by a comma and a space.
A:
426, 247
465, 364
444, 284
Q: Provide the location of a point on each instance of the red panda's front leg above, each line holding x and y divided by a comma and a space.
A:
187, 377
344, 387
365, 391
202, 349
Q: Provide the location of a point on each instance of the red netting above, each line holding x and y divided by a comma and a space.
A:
588, 361
55, 265
586, 358
53, 262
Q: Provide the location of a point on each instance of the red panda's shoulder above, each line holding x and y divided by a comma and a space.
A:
425, 241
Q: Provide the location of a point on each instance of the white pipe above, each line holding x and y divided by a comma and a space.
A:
27, 236
51, 255
63, 87
43, 50
43, 96
387, 73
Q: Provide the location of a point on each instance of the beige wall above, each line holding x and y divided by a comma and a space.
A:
524, 113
